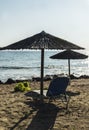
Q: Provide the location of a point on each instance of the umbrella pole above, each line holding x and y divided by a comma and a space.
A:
42, 71
69, 66
69, 69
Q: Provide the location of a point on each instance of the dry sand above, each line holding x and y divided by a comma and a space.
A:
18, 111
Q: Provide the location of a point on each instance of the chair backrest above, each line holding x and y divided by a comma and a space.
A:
58, 86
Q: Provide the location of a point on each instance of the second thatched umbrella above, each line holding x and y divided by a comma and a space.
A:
42, 41
69, 54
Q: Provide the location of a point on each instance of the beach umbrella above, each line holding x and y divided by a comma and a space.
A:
69, 54
42, 41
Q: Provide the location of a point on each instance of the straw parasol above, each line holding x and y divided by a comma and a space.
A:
69, 54
42, 41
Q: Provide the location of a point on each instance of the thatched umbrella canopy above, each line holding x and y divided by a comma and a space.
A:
42, 41
69, 54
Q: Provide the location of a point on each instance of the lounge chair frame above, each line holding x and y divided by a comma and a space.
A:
59, 84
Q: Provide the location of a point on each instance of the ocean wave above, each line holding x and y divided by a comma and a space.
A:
16, 67
28, 67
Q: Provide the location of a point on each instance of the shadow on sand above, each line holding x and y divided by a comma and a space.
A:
72, 93
44, 118
43, 114
46, 112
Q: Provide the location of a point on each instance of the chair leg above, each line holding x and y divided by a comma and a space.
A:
67, 98
67, 105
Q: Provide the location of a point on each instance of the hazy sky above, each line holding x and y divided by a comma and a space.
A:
67, 19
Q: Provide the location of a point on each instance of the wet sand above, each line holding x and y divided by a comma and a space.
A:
18, 111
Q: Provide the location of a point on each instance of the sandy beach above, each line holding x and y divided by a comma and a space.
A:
18, 111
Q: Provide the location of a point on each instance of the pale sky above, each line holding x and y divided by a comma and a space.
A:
67, 19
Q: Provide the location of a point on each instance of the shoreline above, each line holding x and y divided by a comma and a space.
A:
46, 78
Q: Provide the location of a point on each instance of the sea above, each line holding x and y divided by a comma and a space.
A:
25, 64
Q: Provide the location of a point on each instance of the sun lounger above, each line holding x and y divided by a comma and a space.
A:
57, 90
